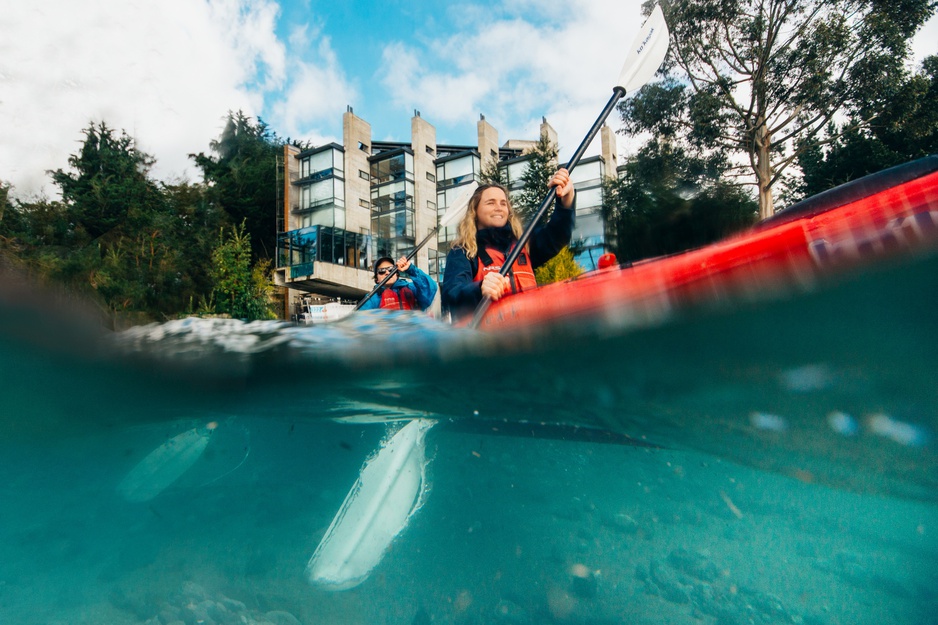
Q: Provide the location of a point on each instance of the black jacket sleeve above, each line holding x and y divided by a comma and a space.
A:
459, 293
548, 240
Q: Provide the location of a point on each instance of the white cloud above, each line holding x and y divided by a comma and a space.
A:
166, 72
525, 59
318, 91
534, 59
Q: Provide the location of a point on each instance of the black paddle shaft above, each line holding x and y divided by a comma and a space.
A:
617, 94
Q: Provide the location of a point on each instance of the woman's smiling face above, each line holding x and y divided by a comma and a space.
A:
492, 211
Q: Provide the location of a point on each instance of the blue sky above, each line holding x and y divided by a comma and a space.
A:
167, 71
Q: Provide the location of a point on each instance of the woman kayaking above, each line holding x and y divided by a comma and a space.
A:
486, 236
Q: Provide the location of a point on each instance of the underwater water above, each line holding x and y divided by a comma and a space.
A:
770, 461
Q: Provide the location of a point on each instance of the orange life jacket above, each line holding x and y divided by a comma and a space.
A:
521, 273
399, 299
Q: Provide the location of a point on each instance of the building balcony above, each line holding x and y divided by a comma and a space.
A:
327, 260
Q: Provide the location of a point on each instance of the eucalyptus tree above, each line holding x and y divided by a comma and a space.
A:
905, 130
749, 79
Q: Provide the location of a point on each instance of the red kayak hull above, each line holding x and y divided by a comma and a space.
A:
887, 215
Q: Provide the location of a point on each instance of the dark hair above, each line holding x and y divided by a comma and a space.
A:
381, 260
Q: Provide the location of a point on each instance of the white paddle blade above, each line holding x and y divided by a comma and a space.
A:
458, 209
647, 52
164, 465
389, 489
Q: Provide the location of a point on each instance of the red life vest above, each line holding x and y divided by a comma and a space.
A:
521, 273
400, 299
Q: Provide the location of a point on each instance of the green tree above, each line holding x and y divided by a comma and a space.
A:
242, 178
241, 290
541, 167
905, 130
667, 201
135, 246
492, 174
108, 185
753, 78
560, 267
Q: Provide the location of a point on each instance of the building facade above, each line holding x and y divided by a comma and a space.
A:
344, 206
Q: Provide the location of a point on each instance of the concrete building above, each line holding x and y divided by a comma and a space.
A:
344, 206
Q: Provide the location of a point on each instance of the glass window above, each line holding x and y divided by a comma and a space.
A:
458, 167
398, 167
318, 193
324, 164
515, 171
590, 225
588, 199
586, 172
392, 197
437, 264
321, 161
458, 171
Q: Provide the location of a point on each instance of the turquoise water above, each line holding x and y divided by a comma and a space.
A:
776, 463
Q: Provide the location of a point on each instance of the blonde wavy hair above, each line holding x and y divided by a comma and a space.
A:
468, 227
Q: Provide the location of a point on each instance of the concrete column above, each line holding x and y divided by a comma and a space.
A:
423, 143
356, 139
610, 150
488, 142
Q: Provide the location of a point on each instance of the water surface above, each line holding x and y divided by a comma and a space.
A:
780, 466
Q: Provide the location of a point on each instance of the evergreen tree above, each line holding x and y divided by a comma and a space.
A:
242, 178
135, 246
108, 185
540, 169
492, 173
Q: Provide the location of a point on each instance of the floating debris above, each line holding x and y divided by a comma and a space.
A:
815, 377
767, 421
843, 424
898, 431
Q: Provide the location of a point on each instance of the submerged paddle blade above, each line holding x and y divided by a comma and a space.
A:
455, 212
647, 52
164, 465
389, 489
